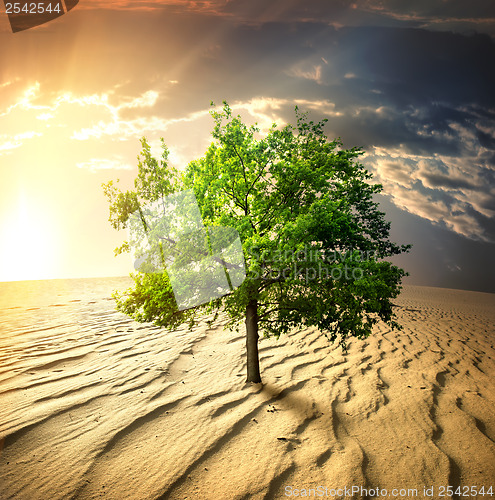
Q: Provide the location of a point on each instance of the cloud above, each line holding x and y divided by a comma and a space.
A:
9, 142
456, 15
27, 100
45, 116
96, 164
8, 83
7, 146
67, 108
420, 103
397, 172
311, 73
430, 142
147, 100
122, 128
435, 14
449, 191
434, 180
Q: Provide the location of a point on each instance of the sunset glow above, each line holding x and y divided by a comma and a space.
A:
30, 242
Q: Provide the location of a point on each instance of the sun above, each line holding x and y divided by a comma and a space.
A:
28, 243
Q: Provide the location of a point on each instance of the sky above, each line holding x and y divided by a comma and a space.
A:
410, 82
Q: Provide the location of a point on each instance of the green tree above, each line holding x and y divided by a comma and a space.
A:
313, 238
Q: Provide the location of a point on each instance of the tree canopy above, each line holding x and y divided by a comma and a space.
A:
314, 241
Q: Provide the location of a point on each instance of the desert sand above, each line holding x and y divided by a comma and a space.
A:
94, 405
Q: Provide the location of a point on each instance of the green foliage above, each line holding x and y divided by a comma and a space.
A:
155, 179
152, 299
313, 237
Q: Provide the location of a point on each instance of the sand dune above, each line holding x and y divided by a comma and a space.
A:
94, 405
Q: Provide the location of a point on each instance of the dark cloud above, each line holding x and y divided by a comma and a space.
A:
425, 97
438, 180
488, 203
428, 66
457, 15
486, 140
440, 257
435, 13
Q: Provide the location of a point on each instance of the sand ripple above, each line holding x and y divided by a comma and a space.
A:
94, 405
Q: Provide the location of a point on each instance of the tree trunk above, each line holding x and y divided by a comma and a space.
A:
253, 364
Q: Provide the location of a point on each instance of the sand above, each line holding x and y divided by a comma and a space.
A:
94, 405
